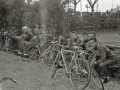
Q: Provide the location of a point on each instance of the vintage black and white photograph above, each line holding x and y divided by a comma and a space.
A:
59, 44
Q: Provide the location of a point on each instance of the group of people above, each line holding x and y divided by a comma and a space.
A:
88, 41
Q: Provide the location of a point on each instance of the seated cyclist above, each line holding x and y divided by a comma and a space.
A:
84, 40
33, 41
26, 36
105, 57
92, 34
78, 40
75, 42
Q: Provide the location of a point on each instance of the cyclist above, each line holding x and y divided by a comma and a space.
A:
84, 40
33, 41
75, 42
92, 34
105, 57
26, 36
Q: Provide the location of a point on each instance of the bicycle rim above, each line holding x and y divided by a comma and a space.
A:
78, 79
30, 50
96, 79
49, 57
54, 69
10, 84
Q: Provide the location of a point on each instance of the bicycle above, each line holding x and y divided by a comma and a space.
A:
49, 55
34, 52
74, 69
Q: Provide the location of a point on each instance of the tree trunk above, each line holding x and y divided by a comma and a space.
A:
75, 5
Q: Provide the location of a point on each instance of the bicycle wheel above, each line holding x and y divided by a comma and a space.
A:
80, 73
10, 84
55, 65
33, 52
96, 79
49, 57
54, 69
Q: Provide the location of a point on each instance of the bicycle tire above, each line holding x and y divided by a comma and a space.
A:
54, 69
78, 77
96, 79
11, 85
32, 52
49, 57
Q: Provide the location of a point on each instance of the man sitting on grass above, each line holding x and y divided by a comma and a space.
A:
26, 36
105, 57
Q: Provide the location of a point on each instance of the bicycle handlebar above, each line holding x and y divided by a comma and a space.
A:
90, 51
53, 42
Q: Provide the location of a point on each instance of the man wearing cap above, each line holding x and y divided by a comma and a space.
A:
33, 41
26, 36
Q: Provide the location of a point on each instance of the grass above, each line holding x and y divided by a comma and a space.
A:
109, 37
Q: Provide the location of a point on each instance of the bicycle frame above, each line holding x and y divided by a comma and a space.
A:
52, 46
54, 43
61, 52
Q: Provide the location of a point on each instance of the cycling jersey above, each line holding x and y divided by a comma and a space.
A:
103, 53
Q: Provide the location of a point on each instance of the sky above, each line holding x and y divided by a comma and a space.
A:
103, 5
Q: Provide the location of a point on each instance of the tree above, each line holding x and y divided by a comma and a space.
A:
3, 14
75, 2
92, 4
16, 13
55, 17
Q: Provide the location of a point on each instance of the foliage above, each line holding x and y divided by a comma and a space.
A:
18, 13
55, 17
92, 4
3, 14
75, 2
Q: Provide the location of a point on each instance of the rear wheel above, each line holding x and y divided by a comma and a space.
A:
32, 52
80, 73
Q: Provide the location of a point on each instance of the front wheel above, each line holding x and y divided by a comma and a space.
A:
32, 52
80, 73
96, 81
